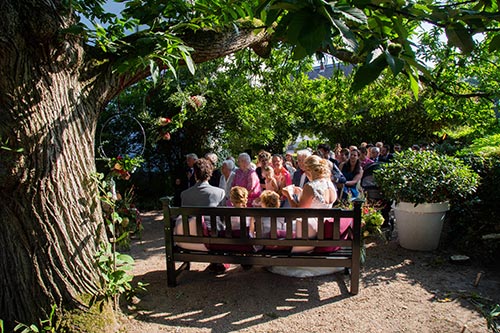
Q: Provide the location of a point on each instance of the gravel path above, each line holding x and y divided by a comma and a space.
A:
400, 291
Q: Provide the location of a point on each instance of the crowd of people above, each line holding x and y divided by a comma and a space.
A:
312, 179
275, 172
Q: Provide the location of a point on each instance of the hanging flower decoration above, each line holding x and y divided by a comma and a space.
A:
123, 166
162, 128
197, 102
162, 121
165, 128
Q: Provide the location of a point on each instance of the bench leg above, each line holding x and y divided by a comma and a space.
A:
354, 279
171, 273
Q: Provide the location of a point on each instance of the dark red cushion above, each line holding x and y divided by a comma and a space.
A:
230, 247
345, 223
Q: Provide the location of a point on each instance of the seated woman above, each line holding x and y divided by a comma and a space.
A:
246, 177
319, 192
353, 173
239, 198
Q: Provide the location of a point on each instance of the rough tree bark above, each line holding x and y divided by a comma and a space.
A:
51, 94
51, 219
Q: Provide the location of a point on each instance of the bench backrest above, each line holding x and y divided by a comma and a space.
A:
334, 237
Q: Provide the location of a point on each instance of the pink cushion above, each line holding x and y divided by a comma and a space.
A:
345, 223
178, 230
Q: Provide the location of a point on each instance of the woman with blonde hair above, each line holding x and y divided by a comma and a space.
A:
319, 192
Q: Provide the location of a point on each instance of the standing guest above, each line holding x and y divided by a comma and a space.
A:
379, 144
263, 159
185, 178
190, 160
247, 178
290, 163
226, 179
336, 154
299, 176
281, 173
353, 172
344, 155
374, 153
363, 157
385, 154
324, 151
216, 174
397, 148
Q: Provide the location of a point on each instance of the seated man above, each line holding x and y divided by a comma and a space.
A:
202, 194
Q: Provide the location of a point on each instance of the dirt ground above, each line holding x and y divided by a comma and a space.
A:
400, 291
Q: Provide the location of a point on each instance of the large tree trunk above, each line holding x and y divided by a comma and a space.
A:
51, 93
51, 221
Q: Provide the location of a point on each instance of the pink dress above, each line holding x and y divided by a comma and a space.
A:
249, 180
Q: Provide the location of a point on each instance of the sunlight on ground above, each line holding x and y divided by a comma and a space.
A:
248, 320
217, 316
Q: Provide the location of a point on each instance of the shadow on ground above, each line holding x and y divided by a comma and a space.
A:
241, 299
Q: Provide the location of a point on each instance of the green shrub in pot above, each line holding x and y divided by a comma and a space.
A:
425, 177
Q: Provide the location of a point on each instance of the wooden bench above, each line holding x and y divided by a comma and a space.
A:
348, 256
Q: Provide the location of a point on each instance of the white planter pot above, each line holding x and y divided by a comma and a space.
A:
419, 228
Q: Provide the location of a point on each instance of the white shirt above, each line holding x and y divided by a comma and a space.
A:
226, 185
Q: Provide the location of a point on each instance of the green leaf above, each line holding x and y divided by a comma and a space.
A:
369, 72
352, 14
189, 62
414, 85
395, 64
460, 37
347, 36
155, 71
125, 258
494, 44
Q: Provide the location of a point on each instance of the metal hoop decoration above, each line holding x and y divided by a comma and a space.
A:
110, 121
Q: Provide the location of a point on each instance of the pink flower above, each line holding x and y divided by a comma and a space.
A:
166, 136
164, 121
198, 100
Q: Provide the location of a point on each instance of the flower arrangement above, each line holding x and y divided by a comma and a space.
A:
371, 217
123, 166
372, 221
131, 222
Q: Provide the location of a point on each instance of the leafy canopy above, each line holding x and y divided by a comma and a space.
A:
374, 33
